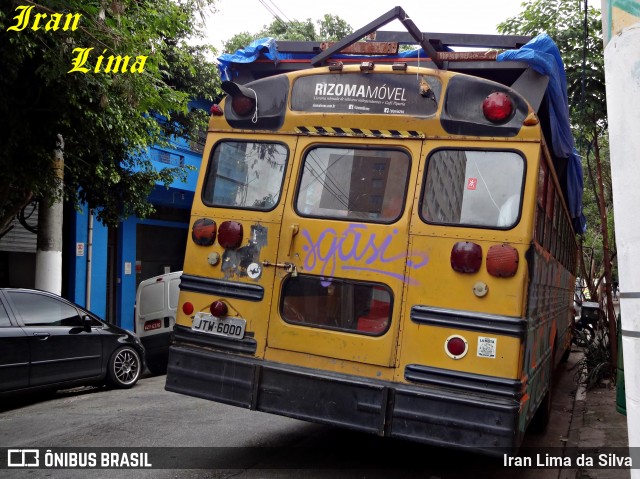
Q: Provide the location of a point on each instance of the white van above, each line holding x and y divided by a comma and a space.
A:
155, 316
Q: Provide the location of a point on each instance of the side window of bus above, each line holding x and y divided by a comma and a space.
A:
245, 174
473, 188
548, 233
330, 303
543, 179
353, 184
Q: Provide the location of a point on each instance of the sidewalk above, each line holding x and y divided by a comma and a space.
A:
597, 424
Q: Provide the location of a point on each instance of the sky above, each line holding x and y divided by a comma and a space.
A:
441, 16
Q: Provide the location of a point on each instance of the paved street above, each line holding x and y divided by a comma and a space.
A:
148, 416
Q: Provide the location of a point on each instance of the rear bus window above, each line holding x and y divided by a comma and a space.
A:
353, 184
331, 303
473, 188
244, 174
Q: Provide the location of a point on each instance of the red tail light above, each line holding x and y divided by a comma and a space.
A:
203, 232
218, 309
502, 261
497, 107
187, 308
230, 234
243, 100
456, 347
215, 110
466, 257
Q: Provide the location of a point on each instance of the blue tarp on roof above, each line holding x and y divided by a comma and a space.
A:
249, 54
541, 53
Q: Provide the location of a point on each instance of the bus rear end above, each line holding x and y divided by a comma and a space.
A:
368, 251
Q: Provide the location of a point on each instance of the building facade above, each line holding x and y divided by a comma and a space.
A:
103, 266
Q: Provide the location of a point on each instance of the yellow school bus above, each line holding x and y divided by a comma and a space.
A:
381, 247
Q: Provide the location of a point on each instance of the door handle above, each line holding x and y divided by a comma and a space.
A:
42, 336
293, 229
288, 267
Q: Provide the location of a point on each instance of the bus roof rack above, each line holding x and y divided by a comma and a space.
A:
396, 13
271, 56
535, 71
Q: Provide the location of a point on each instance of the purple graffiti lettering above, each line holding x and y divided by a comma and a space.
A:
356, 244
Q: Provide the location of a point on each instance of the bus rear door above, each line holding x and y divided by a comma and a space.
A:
342, 256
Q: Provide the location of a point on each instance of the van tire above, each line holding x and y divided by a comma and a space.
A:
157, 364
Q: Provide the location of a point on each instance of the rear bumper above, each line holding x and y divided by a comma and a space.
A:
444, 416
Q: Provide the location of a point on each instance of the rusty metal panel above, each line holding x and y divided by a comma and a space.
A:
490, 55
366, 48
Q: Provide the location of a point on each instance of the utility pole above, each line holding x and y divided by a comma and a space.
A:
49, 250
621, 29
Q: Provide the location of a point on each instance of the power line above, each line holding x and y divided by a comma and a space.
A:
273, 13
278, 9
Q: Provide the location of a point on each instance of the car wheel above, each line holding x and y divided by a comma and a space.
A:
124, 367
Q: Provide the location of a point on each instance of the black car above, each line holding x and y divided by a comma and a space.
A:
49, 342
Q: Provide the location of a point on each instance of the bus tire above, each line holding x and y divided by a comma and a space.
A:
541, 417
565, 355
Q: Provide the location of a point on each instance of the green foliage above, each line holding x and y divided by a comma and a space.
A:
293, 30
238, 41
595, 366
565, 22
331, 28
107, 120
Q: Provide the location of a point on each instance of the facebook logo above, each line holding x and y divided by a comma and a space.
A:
23, 458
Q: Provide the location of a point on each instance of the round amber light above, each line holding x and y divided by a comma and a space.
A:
203, 232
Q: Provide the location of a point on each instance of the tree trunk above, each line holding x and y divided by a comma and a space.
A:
49, 251
613, 338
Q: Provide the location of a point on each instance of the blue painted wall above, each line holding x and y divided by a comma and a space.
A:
126, 273
78, 268
178, 195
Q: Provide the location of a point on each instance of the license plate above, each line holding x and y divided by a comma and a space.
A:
153, 324
227, 327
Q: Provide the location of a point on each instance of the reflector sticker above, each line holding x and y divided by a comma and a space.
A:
487, 347
254, 270
360, 132
472, 183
